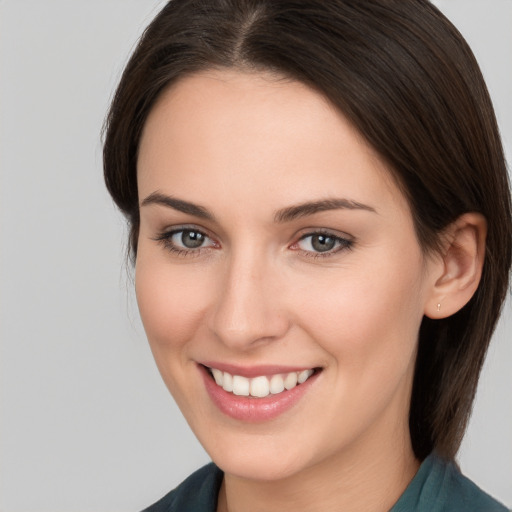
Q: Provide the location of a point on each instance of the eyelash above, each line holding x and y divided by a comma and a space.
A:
165, 238
341, 244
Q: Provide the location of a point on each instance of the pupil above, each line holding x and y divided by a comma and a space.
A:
192, 239
322, 243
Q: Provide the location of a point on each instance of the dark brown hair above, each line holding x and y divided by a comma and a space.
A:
407, 80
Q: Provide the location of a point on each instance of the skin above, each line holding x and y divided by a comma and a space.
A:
243, 146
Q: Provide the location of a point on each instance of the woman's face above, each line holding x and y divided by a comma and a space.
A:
273, 241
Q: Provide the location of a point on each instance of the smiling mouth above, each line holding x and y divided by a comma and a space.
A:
260, 386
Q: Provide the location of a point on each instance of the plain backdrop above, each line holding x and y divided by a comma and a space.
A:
86, 423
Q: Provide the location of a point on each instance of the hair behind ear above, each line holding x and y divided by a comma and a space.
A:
446, 378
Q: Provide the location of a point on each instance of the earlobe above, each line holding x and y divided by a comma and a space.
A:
459, 266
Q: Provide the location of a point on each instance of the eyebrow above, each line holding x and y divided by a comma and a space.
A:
303, 210
284, 215
178, 204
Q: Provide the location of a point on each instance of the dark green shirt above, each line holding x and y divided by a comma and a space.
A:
437, 487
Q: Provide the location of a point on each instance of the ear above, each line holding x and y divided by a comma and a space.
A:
458, 268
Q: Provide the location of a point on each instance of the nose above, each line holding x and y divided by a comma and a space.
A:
249, 309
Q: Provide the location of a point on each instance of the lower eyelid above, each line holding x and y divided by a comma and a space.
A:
341, 246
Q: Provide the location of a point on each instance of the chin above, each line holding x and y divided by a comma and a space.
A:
263, 457
259, 467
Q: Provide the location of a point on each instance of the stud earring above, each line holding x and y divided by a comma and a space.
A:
439, 307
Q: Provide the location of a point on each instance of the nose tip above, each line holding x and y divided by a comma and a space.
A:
240, 337
248, 311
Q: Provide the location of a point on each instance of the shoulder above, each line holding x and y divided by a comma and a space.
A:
469, 496
439, 486
198, 493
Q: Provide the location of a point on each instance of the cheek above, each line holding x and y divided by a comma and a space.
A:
369, 320
171, 302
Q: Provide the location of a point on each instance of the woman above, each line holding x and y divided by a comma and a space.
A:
320, 224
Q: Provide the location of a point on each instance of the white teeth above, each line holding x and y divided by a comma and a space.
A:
227, 382
240, 385
218, 376
304, 376
262, 386
290, 380
276, 384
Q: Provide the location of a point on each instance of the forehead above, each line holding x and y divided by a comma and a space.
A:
251, 133
254, 105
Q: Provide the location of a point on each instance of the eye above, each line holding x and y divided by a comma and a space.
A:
188, 239
185, 241
322, 244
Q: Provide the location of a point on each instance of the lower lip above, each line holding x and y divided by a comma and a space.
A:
250, 409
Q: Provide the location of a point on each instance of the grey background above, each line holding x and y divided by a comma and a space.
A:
85, 422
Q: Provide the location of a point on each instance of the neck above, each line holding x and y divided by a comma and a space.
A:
370, 477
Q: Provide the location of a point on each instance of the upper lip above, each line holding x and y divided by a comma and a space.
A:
254, 371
